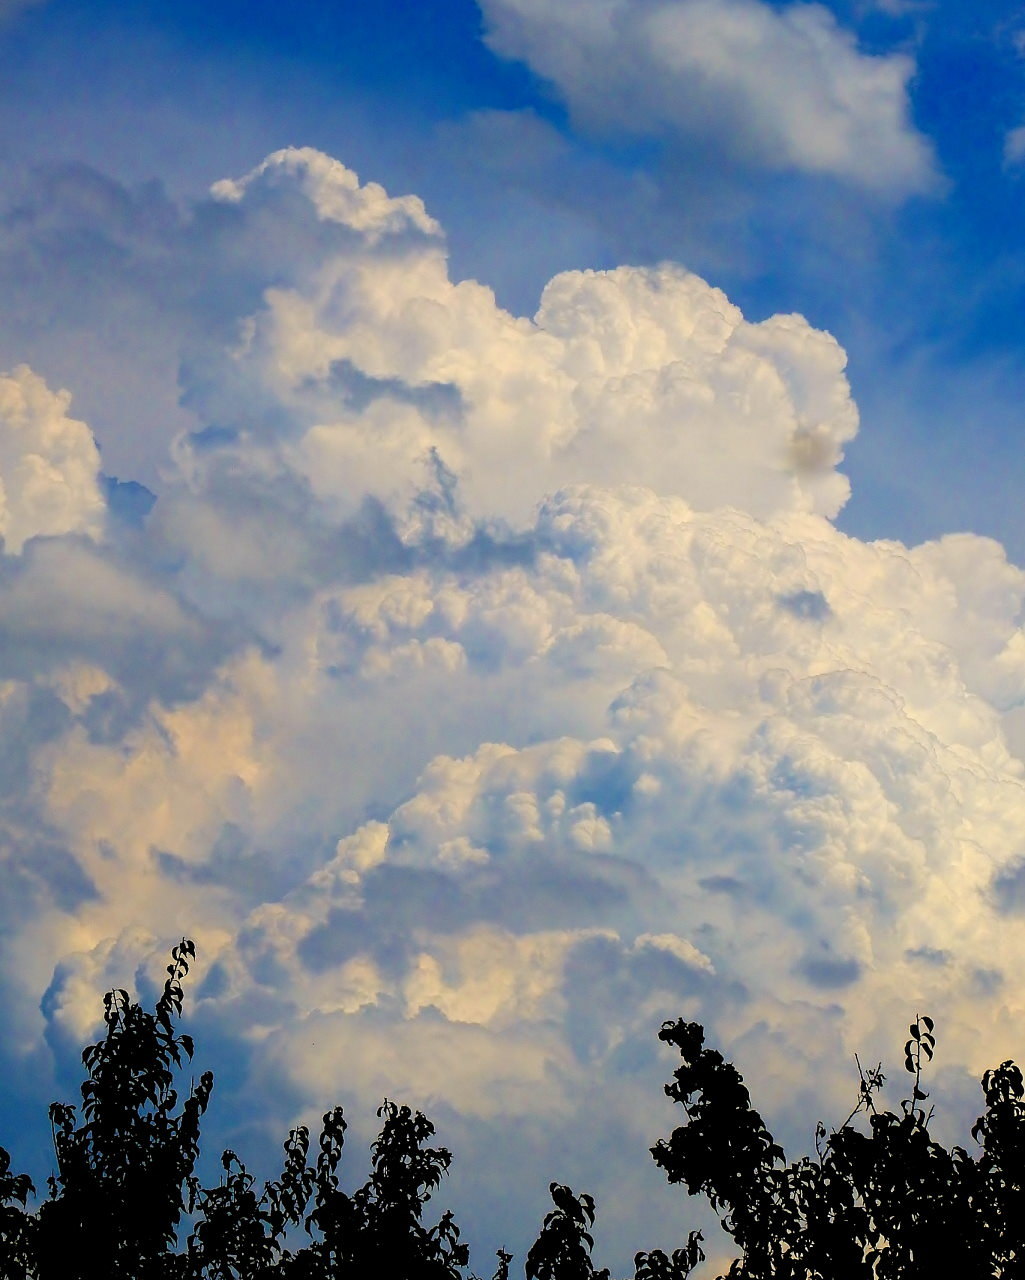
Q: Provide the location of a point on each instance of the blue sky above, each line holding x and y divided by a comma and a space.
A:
481, 677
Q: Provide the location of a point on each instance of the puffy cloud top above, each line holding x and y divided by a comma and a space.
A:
333, 190
379, 376
783, 88
49, 464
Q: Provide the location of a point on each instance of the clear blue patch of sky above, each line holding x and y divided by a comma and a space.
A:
423, 57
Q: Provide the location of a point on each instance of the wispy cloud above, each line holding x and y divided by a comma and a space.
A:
1014, 147
774, 88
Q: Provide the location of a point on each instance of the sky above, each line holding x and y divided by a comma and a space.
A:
510, 533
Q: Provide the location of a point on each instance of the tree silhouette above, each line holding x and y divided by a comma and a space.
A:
880, 1200
18, 1237
125, 1174
889, 1204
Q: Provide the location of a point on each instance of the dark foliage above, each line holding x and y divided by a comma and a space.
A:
879, 1201
125, 1174
889, 1204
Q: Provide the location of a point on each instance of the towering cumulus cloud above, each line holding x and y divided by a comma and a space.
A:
482, 690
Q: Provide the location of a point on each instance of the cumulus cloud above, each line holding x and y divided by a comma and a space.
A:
482, 690
334, 192
375, 375
49, 464
780, 88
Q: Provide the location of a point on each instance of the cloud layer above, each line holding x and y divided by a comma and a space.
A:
481, 690
781, 88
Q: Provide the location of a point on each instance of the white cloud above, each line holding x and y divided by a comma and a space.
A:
483, 690
49, 464
334, 192
378, 376
780, 88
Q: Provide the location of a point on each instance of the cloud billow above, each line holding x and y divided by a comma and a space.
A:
48, 464
481, 690
780, 88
